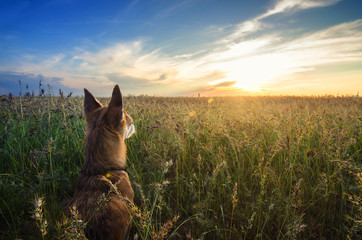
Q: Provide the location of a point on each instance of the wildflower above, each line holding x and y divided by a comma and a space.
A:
235, 192
165, 228
167, 165
38, 202
271, 206
39, 216
74, 228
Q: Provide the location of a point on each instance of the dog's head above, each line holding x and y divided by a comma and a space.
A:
113, 117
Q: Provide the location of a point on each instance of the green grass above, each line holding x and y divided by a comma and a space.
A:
220, 168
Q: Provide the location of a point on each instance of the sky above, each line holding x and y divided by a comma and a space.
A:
182, 47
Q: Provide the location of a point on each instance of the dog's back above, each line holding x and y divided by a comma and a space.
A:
105, 211
103, 191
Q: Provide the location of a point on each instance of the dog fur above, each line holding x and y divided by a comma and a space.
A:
105, 211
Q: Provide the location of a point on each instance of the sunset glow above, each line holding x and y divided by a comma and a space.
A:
166, 48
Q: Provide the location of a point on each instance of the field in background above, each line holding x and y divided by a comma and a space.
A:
202, 168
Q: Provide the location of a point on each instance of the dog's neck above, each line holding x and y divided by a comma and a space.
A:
92, 166
104, 153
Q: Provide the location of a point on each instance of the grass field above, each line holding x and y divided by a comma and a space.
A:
202, 168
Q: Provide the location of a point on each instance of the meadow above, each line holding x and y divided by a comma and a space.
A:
201, 168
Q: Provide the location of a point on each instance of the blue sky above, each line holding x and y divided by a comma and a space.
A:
183, 47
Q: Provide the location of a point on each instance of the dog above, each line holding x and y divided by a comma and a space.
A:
103, 192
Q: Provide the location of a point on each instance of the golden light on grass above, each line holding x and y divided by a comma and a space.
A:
192, 113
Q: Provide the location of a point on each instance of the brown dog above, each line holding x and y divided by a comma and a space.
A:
104, 209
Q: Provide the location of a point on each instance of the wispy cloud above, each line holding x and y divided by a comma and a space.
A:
48, 64
129, 63
282, 6
296, 5
172, 8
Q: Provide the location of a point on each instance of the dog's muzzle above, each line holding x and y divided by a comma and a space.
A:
129, 131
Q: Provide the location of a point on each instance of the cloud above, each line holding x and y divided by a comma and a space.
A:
282, 6
124, 59
171, 9
339, 43
225, 84
31, 64
130, 64
257, 59
267, 58
128, 81
296, 5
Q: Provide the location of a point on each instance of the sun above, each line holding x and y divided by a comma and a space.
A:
254, 72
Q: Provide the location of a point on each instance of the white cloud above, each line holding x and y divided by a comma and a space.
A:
295, 5
126, 59
242, 30
27, 64
134, 67
282, 6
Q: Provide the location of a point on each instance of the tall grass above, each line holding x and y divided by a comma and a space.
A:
220, 168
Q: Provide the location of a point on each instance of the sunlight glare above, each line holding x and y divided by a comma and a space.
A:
253, 72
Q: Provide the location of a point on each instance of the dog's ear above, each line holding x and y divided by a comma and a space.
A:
114, 111
116, 100
90, 103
